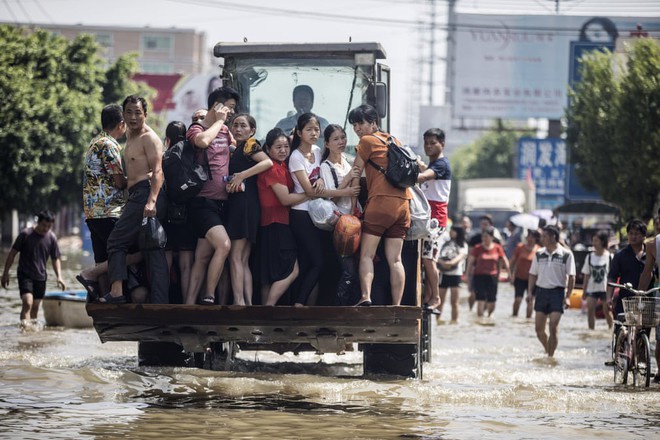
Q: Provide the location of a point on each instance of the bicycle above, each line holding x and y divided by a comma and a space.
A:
631, 350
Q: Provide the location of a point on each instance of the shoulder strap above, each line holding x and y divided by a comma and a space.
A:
374, 164
334, 173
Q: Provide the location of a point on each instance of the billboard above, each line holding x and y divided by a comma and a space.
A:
518, 66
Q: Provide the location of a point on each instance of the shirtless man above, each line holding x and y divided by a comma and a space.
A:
143, 159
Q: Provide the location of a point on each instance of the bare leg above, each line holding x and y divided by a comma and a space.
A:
219, 240
368, 246
591, 312
481, 306
278, 288
541, 318
239, 269
203, 253
27, 301
431, 282
454, 304
553, 339
490, 306
442, 296
516, 305
393, 248
530, 307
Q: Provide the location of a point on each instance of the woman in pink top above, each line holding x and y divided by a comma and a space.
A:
484, 265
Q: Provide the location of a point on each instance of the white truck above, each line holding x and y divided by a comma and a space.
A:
501, 198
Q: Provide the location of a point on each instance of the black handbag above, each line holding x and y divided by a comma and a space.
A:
177, 213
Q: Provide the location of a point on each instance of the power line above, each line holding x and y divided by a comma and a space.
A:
10, 11
41, 8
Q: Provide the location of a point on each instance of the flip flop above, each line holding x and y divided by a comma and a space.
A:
363, 303
208, 301
90, 286
109, 299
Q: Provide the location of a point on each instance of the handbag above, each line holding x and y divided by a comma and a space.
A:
324, 213
420, 215
152, 235
177, 213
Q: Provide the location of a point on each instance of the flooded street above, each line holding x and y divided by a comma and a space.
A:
485, 382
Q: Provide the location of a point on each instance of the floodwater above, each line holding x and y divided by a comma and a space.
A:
485, 382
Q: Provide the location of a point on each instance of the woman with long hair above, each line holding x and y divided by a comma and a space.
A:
245, 164
452, 266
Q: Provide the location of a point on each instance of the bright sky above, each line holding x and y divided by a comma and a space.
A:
401, 26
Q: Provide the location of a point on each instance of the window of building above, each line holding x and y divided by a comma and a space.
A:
157, 43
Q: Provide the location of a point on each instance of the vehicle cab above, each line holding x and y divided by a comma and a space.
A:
341, 76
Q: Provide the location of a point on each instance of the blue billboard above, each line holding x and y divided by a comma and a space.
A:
544, 162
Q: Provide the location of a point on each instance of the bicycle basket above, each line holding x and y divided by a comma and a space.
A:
642, 311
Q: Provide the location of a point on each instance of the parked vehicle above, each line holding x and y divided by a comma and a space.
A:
394, 339
500, 198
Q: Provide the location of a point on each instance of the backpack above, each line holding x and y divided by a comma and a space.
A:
402, 168
184, 177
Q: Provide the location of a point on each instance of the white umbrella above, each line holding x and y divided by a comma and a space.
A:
526, 221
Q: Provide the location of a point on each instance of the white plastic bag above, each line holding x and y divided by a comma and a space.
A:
324, 213
420, 215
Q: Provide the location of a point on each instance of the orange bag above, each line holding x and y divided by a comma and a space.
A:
346, 237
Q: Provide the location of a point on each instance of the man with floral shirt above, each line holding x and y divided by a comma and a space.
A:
103, 185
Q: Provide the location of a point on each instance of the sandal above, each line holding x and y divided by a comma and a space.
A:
92, 287
208, 301
109, 299
363, 303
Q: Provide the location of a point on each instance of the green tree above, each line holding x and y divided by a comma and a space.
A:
53, 91
490, 156
613, 126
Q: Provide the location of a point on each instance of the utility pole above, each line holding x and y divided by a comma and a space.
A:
432, 54
451, 52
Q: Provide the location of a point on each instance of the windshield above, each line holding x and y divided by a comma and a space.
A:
267, 92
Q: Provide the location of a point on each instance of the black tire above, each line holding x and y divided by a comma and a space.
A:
642, 363
621, 358
393, 360
161, 354
223, 355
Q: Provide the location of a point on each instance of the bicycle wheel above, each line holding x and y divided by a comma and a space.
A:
642, 362
621, 358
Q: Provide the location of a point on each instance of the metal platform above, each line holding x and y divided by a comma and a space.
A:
327, 329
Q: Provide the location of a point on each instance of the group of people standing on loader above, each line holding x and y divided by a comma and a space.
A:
249, 226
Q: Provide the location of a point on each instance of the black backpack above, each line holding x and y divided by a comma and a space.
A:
184, 177
402, 168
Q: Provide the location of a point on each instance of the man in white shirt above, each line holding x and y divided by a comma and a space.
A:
553, 275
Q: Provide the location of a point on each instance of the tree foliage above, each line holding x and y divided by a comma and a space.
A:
490, 156
53, 93
613, 126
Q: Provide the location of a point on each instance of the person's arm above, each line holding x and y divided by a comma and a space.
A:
285, 197
531, 285
153, 148
112, 158
585, 283
426, 175
647, 274
470, 270
263, 164
586, 274
569, 290
204, 139
57, 267
8, 262
504, 262
513, 264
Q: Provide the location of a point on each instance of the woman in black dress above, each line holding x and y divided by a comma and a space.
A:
246, 162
